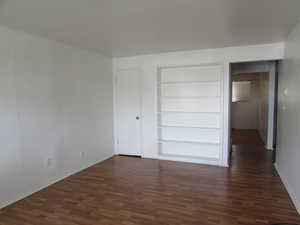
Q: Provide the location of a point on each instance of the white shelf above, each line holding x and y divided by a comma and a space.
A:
178, 156
188, 82
212, 128
187, 97
159, 112
189, 142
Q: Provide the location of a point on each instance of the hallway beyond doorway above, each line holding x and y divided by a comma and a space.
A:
248, 151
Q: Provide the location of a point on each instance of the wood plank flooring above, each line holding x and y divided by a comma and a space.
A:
134, 191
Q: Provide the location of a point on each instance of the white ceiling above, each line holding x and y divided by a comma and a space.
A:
133, 27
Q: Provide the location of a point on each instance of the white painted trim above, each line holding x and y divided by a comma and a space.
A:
226, 114
271, 105
223, 151
114, 77
227, 106
289, 189
190, 160
53, 181
141, 112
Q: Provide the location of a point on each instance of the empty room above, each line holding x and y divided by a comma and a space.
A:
143, 112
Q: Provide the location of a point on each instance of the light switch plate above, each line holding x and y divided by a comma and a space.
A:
82, 154
286, 92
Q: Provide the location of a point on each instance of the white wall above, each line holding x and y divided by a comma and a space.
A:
245, 113
288, 142
55, 102
149, 64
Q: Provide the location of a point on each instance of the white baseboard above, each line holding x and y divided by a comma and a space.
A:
289, 189
190, 160
53, 181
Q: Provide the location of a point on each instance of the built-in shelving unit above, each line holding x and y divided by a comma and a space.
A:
189, 118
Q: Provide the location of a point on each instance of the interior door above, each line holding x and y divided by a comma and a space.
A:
128, 112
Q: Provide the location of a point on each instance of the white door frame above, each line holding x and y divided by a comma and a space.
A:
227, 102
115, 108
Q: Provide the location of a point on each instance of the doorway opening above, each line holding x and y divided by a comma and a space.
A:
253, 113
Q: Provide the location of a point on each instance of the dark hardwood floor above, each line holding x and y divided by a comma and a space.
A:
134, 191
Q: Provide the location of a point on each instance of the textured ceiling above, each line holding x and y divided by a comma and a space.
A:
133, 27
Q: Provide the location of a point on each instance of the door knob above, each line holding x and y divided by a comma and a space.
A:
137, 117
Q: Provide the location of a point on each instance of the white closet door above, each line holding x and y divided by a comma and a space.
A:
189, 109
128, 112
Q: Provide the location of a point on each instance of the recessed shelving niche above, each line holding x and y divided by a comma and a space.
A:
189, 112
